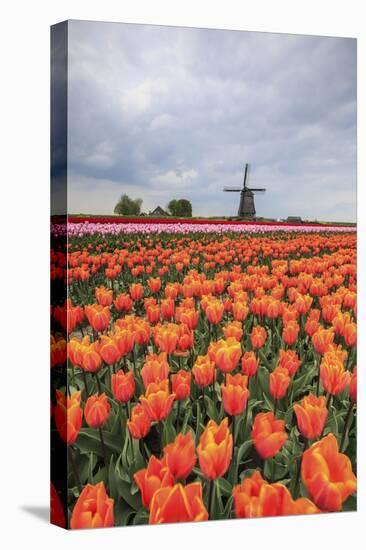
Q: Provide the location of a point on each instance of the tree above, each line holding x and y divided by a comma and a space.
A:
127, 206
181, 208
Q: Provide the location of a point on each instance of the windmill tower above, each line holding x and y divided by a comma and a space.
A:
246, 205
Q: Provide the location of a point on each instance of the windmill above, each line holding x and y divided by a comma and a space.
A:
246, 205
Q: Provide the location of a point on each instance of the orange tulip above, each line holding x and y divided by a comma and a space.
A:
97, 410
166, 337
153, 314
123, 302
335, 378
93, 508
92, 360
123, 386
181, 384
240, 310
152, 478
322, 339
350, 334
327, 474
167, 309
353, 386
178, 504
185, 337
311, 415
249, 363
279, 381
233, 330
255, 497
290, 332
140, 423
155, 369
235, 394
258, 337
227, 354
104, 296
268, 434
68, 416
108, 350
289, 360
180, 456
204, 371
124, 340
215, 449
303, 303
98, 316
157, 401
136, 291
187, 316
154, 285
215, 311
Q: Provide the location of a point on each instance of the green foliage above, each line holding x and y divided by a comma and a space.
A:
127, 206
181, 208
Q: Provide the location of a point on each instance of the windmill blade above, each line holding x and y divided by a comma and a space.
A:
257, 189
246, 172
232, 189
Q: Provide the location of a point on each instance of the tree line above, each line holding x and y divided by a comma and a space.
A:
126, 206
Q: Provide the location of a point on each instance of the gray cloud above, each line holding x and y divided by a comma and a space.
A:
164, 112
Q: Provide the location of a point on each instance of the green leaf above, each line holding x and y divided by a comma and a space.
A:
141, 517
169, 433
351, 504
211, 409
89, 441
124, 491
198, 427
225, 487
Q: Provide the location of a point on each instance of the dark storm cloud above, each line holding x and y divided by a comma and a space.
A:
164, 112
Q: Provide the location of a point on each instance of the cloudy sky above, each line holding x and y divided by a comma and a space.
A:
165, 112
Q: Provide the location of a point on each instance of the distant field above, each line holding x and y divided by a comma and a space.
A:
210, 219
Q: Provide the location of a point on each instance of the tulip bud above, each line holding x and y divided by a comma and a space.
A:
93, 509
180, 456
97, 410
123, 386
181, 384
268, 434
215, 449
279, 381
152, 478
327, 474
140, 423
235, 394
311, 415
178, 504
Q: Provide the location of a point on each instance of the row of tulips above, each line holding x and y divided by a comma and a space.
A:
218, 383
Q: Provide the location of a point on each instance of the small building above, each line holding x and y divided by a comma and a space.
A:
294, 219
159, 211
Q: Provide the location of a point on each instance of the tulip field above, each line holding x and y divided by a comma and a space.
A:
210, 372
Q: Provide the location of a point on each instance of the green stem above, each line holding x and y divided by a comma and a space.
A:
275, 406
85, 384
298, 474
246, 417
318, 383
98, 382
74, 469
233, 428
178, 415
211, 491
103, 446
345, 429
